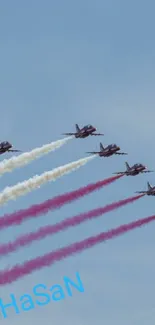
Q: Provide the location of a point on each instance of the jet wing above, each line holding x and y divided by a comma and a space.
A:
69, 133
121, 153
144, 192
14, 150
147, 171
96, 134
120, 173
94, 152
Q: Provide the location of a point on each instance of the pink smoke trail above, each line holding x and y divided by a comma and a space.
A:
54, 203
70, 222
18, 271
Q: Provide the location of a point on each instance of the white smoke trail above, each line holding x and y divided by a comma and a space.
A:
7, 165
12, 193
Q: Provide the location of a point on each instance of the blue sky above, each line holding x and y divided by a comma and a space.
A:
82, 62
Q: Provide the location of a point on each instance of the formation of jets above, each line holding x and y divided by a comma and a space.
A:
110, 150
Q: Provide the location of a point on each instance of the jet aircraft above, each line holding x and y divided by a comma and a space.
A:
111, 149
150, 191
134, 170
6, 146
84, 132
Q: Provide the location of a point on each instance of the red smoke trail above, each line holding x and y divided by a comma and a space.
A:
54, 203
18, 271
70, 222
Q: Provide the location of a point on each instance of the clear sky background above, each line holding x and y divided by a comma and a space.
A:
67, 62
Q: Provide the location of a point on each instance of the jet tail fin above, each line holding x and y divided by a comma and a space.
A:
77, 128
127, 166
101, 146
149, 186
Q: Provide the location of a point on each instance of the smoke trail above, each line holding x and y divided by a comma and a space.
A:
53, 229
12, 193
54, 203
20, 270
7, 165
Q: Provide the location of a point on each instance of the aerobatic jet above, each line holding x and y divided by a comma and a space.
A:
111, 149
6, 146
84, 132
134, 170
150, 191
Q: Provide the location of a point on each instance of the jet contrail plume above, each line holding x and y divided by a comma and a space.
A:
20, 270
12, 193
7, 165
54, 203
53, 229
